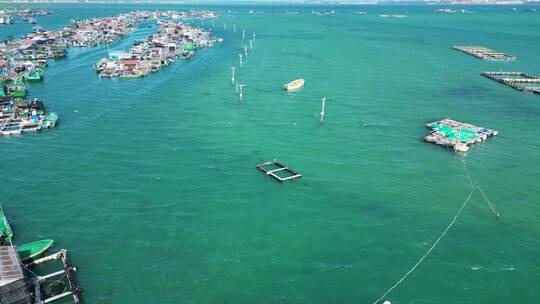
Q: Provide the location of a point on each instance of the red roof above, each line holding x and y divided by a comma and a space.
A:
130, 62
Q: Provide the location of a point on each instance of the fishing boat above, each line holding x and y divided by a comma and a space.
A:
16, 89
33, 250
294, 85
6, 234
131, 75
50, 120
35, 75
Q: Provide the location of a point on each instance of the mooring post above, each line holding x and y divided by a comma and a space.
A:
225, 25
241, 64
213, 23
241, 92
245, 51
232, 77
243, 34
234, 28
250, 44
322, 110
253, 38
237, 88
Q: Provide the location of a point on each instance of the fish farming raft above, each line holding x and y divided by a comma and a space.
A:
484, 53
278, 171
455, 134
518, 80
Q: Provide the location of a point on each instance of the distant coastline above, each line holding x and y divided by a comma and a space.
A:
279, 2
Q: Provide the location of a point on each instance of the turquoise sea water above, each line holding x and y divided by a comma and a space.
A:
151, 184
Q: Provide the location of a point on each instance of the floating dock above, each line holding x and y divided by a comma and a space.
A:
455, 134
275, 169
484, 53
518, 80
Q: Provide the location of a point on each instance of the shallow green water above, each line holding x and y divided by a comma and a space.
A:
151, 184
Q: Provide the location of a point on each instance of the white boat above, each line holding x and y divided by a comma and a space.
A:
294, 85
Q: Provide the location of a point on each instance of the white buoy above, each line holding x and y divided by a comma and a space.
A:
245, 51
241, 86
232, 77
241, 64
250, 44
243, 34
234, 28
322, 110
386, 302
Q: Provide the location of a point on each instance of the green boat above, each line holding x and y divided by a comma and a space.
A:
33, 250
131, 76
50, 120
16, 89
36, 75
5, 229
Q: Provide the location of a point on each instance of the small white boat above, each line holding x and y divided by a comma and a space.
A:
294, 85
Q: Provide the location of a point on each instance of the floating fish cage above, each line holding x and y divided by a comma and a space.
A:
518, 80
278, 171
455, 134
484, 53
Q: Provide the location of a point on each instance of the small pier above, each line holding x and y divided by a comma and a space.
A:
455, 134
278, 171
518, 80
484, 53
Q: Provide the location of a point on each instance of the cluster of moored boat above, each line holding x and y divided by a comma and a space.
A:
6, 16
174, 39
20, 115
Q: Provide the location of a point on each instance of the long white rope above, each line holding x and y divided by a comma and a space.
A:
429, 251
434, 244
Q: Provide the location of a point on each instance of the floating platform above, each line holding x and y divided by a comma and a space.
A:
274, 168
518, 80
68, 271
455, 134
484, 53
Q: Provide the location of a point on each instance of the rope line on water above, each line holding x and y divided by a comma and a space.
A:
429, 250
497, 215
473, 188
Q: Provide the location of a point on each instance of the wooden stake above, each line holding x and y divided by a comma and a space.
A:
232, 77
322, 110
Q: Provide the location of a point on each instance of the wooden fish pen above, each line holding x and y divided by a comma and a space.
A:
484, 53
455, 134
68, 270
518, 80
273, 168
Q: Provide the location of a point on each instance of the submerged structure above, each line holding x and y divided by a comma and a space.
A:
484, 53
278, 171
518, 80
455, 134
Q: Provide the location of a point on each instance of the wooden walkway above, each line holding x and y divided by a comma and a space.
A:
484, 53
518, 80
